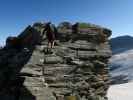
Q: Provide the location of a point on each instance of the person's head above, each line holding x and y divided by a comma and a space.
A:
48, 23
76, 24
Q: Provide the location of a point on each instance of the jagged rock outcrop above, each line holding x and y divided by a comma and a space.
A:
76, 68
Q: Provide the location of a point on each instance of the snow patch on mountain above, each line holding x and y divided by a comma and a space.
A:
121, 92
121, 65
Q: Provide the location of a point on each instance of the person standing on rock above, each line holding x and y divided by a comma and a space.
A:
74, 31
50, 34
75, 28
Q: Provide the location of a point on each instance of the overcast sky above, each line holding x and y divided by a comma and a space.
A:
15, 15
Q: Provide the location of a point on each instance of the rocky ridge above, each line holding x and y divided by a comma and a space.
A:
77, 68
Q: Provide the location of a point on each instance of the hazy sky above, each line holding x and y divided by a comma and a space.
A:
15, 15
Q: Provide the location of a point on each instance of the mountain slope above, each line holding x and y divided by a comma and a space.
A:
122, 67
121, 44
121, 63
121, 92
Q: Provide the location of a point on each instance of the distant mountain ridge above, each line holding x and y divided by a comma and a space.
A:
121, 67
121, 44
121, 63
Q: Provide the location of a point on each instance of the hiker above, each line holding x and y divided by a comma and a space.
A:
75, 28
74, 31
50, 34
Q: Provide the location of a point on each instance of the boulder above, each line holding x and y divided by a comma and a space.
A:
53, 60
85, 47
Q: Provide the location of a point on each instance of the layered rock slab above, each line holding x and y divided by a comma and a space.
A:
77, 67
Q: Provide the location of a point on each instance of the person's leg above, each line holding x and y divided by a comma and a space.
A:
52, 45
48, 45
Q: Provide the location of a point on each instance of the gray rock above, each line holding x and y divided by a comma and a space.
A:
86, 55
85, 47
77, 66
53, 60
